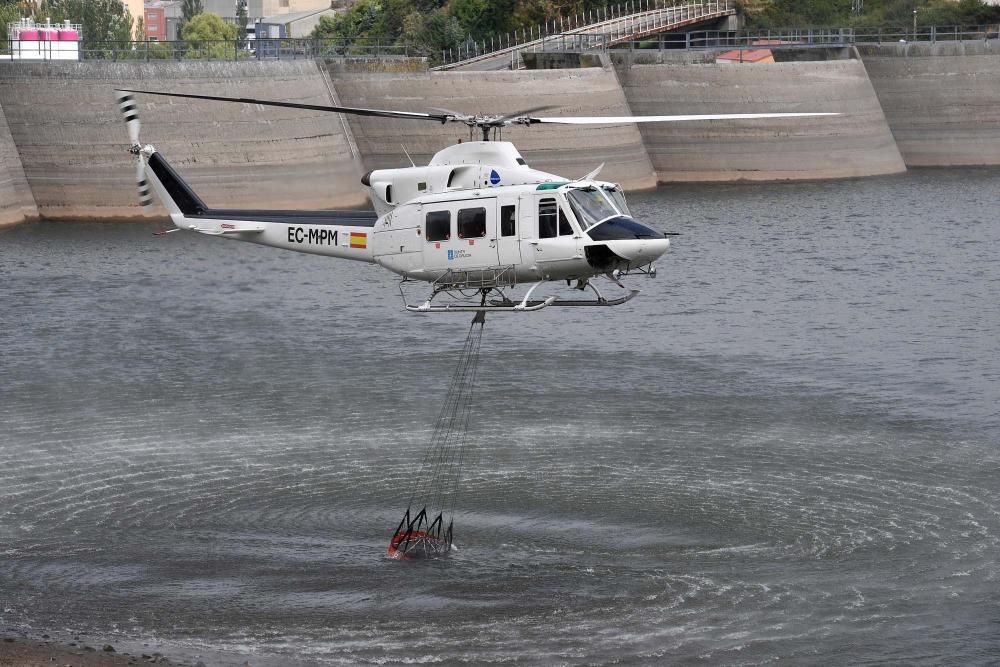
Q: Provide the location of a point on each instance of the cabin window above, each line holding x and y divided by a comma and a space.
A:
438, 225
421, 187
471, 223
508, 220
388, 194
521, 161
548, 212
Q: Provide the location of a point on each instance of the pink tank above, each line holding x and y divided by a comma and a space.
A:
67, 35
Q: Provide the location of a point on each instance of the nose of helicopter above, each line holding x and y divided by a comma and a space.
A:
639, 251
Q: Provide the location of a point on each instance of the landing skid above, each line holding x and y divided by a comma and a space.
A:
495, 299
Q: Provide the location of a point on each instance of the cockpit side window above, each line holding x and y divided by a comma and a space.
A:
565, 229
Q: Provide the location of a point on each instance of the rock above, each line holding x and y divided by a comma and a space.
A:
9, 640
89, 648
108, 648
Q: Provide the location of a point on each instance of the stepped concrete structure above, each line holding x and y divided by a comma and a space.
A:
16, 202
857, 143
942, 100
71, 138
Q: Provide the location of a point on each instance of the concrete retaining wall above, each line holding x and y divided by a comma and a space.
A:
71, 138
62, 140
942, 100
16, 202
566, 150
858, 143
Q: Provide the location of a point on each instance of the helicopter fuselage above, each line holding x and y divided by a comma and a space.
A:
476, 208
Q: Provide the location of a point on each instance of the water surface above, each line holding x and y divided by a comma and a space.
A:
784, 449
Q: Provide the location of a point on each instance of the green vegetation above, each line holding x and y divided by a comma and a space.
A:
430, 26
877, 13
241, 24
103, 20
208, 36
9, 13
189, 9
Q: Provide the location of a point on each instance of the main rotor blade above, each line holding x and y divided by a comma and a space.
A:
526, 112
609, 120
382, 113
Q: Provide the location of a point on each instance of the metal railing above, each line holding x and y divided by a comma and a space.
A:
259, 49
792, 38
290, 49
605, 27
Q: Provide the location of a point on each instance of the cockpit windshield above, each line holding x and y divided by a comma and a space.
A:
590, 206
618, 197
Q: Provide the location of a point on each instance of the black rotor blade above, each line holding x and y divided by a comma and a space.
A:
382, 113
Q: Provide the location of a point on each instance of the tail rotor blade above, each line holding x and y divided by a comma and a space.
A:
145, 197
129, 109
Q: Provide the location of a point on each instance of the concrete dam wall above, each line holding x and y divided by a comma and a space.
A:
62, 147
16, 202
71, 138
942, 100
856, 143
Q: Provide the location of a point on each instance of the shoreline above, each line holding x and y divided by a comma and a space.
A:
23, 651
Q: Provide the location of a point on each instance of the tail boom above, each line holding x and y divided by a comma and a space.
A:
343, 234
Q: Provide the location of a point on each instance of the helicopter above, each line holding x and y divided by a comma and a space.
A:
475, 223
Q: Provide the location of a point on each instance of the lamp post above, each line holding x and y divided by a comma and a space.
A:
914, 25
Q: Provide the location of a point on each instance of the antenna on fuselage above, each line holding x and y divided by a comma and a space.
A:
412, 163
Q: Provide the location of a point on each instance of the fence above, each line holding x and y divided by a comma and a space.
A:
776, 39
290, 49
259, 49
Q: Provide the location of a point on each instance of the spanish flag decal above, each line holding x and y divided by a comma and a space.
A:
359, 240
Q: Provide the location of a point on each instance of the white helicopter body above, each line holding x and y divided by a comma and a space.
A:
475, 222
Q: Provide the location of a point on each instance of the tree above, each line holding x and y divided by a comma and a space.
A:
189, 9
208, 36
241, 24
358, 21
9, 13
103, 20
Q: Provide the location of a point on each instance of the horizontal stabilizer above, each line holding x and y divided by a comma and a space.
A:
230, 228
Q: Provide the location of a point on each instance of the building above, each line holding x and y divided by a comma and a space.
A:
258, 9
135, 8
297, 24
155, 22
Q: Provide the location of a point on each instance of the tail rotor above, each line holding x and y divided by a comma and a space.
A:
130, 111
145, 198
126, 102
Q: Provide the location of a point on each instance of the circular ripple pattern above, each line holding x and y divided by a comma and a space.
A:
784, 450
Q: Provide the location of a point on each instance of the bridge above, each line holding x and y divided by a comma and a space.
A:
634, 21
